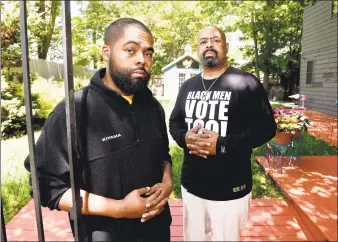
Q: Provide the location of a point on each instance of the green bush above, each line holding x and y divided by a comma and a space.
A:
45, 95
279, 105
309, 145
13, 115
49, 93
15, 194
177, 158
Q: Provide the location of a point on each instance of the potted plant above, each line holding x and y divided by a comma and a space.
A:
289, 124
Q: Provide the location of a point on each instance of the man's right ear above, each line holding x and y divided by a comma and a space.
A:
105, 52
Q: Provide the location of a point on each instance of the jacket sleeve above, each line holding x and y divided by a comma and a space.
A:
261, 129
177, 126
52, 161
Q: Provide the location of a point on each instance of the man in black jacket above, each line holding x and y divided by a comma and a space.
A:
127, 166
219, 117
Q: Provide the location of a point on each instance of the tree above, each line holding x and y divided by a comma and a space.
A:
10, 38
42, 15
88, 31
272, 32
173, 25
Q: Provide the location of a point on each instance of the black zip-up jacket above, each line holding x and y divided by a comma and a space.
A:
237, 108
125, 147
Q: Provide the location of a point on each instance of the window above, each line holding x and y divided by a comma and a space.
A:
334, 7
309, 72
181, 79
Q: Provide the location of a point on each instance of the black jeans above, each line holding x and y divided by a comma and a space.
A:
158, 235
156, 229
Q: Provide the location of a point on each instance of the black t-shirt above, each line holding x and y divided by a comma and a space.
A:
236, 107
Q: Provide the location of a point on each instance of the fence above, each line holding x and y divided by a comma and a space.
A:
67, 69
276, 93
46, 69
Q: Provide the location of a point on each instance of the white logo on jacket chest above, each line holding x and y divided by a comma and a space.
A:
111, 137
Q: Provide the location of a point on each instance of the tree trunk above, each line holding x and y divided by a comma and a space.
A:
45, 40
266, 80
254, 34
268, 48
94, 56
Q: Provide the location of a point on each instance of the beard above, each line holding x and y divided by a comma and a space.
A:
123, 78
210, 61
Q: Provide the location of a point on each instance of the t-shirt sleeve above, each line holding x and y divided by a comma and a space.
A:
177, 126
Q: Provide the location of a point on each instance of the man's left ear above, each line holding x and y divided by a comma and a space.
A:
227, 47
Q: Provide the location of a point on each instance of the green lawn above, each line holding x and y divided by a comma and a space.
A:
14, 177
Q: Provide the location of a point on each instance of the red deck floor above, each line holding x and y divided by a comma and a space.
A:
311, 183
269, 220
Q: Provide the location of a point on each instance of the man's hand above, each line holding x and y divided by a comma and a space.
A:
193, 134
203, 146
133, 205
156, 206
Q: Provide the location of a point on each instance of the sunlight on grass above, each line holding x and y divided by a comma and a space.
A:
14, 177
13, 153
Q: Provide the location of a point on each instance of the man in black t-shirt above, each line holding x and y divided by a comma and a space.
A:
220, 115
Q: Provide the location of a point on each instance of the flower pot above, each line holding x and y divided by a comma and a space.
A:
283, 138
296, 135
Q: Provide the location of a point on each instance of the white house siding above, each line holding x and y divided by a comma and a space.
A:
319, 43
171, 83
171, 80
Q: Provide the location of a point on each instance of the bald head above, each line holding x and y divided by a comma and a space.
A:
116, 29
212, 47
212, 27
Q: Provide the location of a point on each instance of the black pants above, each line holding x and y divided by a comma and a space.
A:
157, 229
162, 235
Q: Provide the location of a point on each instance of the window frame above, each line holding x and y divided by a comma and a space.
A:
334, 5
180, 81
308, 72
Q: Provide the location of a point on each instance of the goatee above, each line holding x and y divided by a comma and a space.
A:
210, 61
124, 81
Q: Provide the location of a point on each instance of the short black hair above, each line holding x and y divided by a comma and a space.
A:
219, 30
116, 29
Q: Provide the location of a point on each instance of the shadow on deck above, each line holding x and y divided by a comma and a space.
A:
311, 185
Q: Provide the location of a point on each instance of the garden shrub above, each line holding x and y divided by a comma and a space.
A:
15, 194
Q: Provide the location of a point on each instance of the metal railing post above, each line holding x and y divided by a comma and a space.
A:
3, 227
75, 212
28, 105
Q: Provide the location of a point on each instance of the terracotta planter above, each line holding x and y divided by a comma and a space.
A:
283, 138
296, 135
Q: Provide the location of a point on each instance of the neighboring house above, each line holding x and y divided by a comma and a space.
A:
318, 77
178, 71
